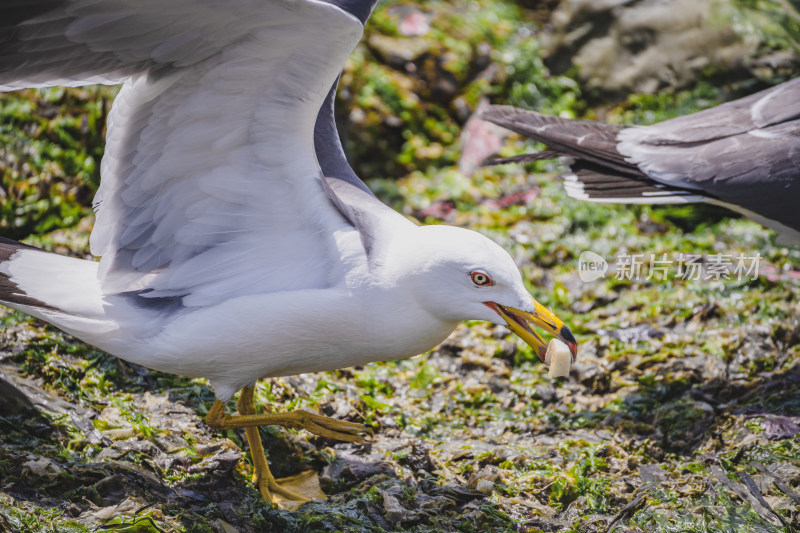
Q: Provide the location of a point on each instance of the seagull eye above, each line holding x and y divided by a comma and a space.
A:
481, 280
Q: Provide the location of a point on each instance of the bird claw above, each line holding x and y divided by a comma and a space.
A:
325, 426
289, 493
268, 487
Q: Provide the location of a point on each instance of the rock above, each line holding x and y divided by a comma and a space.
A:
41, 467
779, 427
12, 400
635, 334
221, 526
623, 46
652, 473
485, 486
396, 52
479, 139
391, 506
129, 506
111, 489
546, 393
456, 493
683, 423
419, 459
351, 470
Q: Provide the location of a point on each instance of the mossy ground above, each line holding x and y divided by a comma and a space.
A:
678, 415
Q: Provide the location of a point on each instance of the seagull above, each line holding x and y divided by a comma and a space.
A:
743, 155
236, 242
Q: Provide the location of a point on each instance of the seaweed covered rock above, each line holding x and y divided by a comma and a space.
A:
646, 45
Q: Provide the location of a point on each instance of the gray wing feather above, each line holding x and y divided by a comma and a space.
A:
78, 42
745, 153
43, 43
772, 106
209, 149
328, 146
584, 139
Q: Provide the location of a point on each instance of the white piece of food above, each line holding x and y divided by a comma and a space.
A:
558, 357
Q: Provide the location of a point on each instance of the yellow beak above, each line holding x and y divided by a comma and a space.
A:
519, 322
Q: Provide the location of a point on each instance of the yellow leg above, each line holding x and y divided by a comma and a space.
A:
262, 477
317, 424
249, 420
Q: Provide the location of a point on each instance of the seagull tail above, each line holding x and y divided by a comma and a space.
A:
598, 171
61, 290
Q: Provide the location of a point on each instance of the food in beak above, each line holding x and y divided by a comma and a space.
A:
520, 321
558, 358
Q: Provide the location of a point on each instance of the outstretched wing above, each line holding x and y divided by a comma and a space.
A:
210, 181
745, 153
598, 171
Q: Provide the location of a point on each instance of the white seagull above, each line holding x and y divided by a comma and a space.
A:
743, 155
236, 241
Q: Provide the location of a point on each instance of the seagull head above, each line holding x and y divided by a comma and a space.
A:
458, 274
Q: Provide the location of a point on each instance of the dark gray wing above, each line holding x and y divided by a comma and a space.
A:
776, 105
345, 189
361, 9
327, 143
582, 139
598, 171
745, 153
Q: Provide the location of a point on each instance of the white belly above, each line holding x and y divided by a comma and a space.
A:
239, 341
